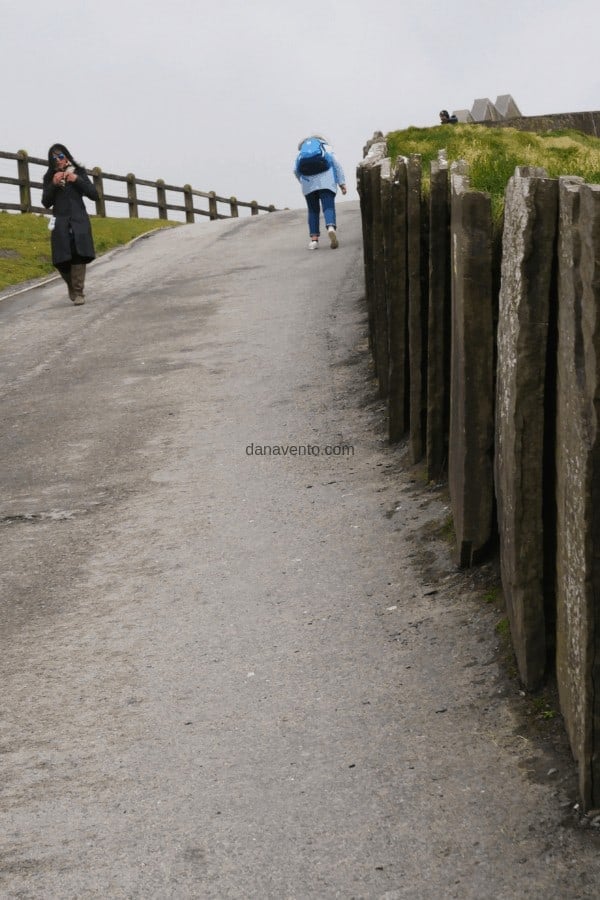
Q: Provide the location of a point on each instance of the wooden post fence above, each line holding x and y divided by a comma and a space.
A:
212, 208
24, 183
98, 184
161, 199
212, 205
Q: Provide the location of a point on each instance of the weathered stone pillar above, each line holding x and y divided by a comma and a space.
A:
471, 440
417, 311
377, 151
438, 323
378, 297
395, 246
578, 479
385, 209
363, 186
522, 472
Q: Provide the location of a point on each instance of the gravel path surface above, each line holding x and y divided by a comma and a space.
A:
236, 660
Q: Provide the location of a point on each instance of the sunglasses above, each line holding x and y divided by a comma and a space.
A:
59, 156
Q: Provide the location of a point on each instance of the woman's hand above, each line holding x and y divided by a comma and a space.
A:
58, 178
71, 176
343, 188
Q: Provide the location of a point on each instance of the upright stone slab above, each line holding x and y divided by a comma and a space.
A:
380, 341
417, 312
528, 252
578, 480
470, 451
363, 185
375, 151
394, 205
438, 325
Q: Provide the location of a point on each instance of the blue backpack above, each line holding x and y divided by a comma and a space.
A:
312, 158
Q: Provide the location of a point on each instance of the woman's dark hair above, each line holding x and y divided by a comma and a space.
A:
60, 148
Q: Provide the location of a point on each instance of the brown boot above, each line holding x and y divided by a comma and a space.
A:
78, 281
66, 276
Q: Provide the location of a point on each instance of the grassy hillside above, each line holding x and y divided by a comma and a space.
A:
493, 153
25, 242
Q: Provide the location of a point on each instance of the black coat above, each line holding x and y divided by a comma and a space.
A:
72, 220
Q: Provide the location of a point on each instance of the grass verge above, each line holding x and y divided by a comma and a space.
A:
25, 242
494, 153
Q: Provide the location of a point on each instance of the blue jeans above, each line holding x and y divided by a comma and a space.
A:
314, 201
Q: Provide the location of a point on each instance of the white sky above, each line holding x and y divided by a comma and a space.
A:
218, 94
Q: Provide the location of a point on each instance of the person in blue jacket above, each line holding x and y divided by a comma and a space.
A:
319, 191
65, 185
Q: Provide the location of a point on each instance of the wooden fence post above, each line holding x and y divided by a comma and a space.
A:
99, 185
161, 199
254, 208
212, 205
132, 196
188, 201
233, 206
24, 183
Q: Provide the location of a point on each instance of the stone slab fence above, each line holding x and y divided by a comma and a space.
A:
486, 348
213, 208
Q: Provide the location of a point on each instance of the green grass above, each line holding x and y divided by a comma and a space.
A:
491, 595
542, 708
25, 242
447, 530
494, 153
502, 629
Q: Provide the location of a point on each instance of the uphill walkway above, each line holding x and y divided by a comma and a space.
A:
235, 659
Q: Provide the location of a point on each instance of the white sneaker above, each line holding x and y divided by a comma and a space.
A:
314, 245
332, 237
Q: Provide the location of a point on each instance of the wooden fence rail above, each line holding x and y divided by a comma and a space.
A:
25, 184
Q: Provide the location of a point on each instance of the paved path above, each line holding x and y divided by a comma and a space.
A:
227, 674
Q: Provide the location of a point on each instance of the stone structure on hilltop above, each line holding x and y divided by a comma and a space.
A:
507, 107
483, 110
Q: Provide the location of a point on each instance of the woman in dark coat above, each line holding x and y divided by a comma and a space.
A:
65, 184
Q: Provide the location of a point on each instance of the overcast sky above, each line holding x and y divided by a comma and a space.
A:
218, 94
